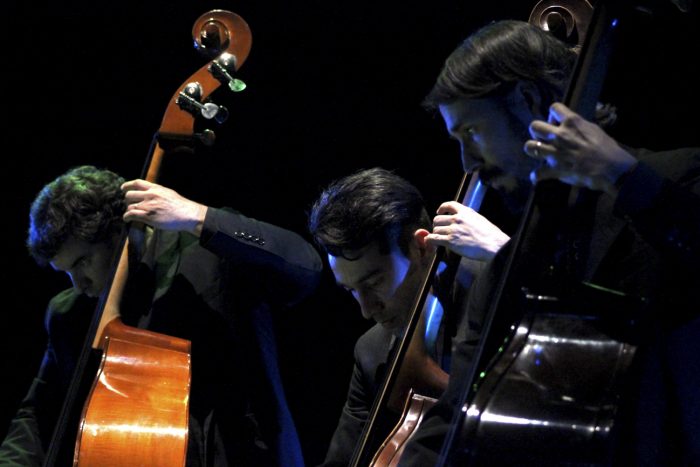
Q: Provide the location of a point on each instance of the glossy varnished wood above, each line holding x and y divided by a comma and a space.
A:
552, 397
389, 454
138, 409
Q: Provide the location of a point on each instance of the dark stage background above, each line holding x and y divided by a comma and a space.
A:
332, 87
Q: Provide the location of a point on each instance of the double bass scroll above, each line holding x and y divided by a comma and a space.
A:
565, 20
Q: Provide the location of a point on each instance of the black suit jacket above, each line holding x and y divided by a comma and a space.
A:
373, 353
217, 291
646, 244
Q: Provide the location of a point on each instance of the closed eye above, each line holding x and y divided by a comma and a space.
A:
373, 281
468, 134
80, 262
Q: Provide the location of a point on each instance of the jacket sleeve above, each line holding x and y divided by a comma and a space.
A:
351, 422
285, 265
31, 430
24, 444
372, 351
661, 199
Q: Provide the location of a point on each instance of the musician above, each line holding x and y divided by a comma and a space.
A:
212, 276
498, 94
376, 231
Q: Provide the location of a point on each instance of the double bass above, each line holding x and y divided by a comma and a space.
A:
413, 379
412, 376
132, 409
547, 378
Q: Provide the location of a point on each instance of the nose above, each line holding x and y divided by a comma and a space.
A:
470, 158
369, 305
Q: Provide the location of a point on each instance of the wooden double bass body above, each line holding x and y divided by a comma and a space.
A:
552, 395
136, 411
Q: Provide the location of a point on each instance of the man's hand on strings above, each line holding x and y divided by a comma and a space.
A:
161, 207
466, 232
576, 151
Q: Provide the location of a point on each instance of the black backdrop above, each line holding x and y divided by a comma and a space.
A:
332, 87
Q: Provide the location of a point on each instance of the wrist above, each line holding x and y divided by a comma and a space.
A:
619, 178
618, 171
201, 214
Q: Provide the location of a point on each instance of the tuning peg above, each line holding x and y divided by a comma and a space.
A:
206, 137
223, 68
189, 99
222, 114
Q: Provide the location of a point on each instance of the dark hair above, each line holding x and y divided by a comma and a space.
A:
86, 203
369, 205
499, 55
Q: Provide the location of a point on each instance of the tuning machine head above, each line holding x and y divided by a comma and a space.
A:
190, 100
223, 68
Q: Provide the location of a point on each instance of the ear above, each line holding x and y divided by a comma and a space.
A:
420, 242
528, 96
